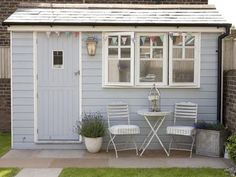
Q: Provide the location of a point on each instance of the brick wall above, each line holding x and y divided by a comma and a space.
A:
7, 7
230, 99
5, 105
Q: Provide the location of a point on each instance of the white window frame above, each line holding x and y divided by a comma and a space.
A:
197, 59
105, 50
164, 60
53, 66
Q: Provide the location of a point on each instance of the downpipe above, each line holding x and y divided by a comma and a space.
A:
220, 79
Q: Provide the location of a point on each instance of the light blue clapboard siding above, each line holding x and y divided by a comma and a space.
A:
95, 98
23, 93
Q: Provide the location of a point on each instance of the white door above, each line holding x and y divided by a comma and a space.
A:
58, 86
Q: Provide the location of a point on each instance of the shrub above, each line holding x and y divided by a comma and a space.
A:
231, 147
209, 126
92, 125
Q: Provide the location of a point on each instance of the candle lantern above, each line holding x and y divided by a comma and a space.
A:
154, 99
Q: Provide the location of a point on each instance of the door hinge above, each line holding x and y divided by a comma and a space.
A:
37, 131
37, 95
37, 76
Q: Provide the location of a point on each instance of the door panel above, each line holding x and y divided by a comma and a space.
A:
58, 87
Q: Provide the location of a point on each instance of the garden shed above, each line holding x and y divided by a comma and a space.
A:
70, 59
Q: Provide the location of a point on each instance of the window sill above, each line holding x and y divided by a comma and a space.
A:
150, 86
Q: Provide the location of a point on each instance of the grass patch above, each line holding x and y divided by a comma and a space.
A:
153, 172
8, 172
5, 143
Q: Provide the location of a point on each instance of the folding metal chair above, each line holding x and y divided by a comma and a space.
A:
120, 111
187, 111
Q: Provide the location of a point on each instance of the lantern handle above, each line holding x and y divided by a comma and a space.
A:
156, 89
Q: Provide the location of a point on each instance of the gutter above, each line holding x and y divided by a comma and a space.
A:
218, 25
220, 79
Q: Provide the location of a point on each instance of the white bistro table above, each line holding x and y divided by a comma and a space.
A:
159, 118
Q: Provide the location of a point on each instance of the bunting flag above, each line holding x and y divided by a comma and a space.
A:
105, 38
67, 34
57, 33
76, 34
171, 35
162, 37
143, 38
189, 34
114, 40
134, 40
48, 33
123, 39
153, 38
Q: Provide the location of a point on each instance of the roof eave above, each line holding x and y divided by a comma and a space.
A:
5, 23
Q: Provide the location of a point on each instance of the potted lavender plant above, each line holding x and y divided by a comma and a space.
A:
92, 128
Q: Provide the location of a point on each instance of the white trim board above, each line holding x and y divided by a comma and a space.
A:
35, 70
12, 115
26, 28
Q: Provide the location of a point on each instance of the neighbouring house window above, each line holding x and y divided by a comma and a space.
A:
119, 59
58, 59
151, 59
184, 59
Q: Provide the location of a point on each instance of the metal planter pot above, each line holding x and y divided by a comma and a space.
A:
210, 142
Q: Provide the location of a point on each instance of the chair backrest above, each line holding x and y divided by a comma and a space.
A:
118, 110
185, 110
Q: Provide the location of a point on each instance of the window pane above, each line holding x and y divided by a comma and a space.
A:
177, 40
177, 53
112, 53
189, 52
183, 71
157, 40
57, 59
125, 52
151, 71
189, 40
118, 71
125, 40
113, 41
145, 53
144, 41
157, 53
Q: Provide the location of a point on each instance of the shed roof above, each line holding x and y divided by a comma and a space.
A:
206, 15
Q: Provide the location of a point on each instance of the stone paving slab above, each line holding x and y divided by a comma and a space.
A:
83, 159
81, 163
26, 163
39, 172
169, 162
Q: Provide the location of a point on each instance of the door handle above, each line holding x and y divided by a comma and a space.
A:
77, 73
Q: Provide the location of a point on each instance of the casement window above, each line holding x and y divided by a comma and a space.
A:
184, 59
164, 59
119, 62
151, 59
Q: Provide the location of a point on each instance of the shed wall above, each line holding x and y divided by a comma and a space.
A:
95, 98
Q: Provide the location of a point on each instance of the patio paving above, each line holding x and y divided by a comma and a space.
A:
128, 159
42, 172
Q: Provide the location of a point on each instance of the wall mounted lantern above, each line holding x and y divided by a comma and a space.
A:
91, 45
